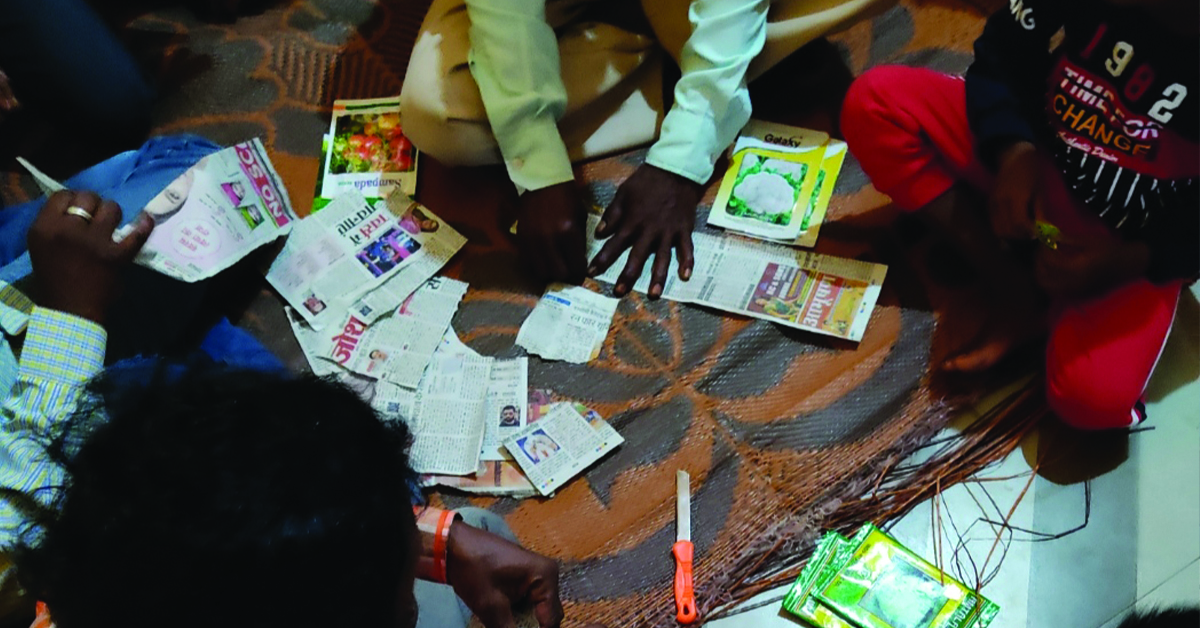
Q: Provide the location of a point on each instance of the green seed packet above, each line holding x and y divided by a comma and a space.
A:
816, 574
882, 584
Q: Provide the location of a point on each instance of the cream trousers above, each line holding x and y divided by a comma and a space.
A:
613, 76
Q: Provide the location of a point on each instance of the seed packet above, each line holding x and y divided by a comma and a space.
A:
882, 584
799, 600
768, 190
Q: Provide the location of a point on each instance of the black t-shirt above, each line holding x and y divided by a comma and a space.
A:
1116, 103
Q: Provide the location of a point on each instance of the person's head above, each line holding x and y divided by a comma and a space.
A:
226, 498
377, 354
509, 414
172, 198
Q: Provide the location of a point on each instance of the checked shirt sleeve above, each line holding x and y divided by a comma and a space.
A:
61, 354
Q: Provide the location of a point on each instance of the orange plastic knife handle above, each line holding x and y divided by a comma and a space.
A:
685, 599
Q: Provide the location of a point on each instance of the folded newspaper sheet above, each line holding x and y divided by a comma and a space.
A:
507, 389
819, 293
362, 258
504, 477
366, 150
560, 446
779, 183
397, 347
213, 215
447, 421
569, 323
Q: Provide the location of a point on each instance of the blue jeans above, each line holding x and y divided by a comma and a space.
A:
131, 179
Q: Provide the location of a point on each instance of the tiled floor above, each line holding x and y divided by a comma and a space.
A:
1141, 545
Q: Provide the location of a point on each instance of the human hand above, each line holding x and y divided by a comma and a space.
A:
1078, 268
552, 233
652, 214
1017, 196
75, 261
492, 576
8, 101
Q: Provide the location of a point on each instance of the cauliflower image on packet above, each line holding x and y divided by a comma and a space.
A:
778, 183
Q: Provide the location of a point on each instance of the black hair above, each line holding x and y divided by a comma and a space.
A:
223, 498
1178, 617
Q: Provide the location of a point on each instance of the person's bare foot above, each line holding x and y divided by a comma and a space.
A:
1010, 325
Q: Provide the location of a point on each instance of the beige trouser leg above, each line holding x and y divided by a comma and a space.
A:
613, 80
613, 77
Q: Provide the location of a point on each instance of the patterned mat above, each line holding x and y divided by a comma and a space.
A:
776, 427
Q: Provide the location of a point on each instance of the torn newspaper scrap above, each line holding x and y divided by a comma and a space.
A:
560, 446
447, 421
213, 215
362, 258
818, 293
396, 348
569, 323
506, 412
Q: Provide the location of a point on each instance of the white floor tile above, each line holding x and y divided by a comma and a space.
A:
1181, 589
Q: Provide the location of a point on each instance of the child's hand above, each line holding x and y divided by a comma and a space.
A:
1079, 269
1017, 195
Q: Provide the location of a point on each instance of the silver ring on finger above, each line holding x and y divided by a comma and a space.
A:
79, 212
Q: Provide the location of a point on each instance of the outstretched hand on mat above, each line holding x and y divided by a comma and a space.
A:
652, 214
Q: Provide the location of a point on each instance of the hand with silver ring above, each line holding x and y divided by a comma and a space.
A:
76, 265
79, 212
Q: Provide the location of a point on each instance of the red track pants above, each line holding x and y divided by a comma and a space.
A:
908, 128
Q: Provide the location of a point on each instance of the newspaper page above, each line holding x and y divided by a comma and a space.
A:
397, 347
560, 446
768, 188
498, 478
507, 411
818, 293
505, 478
366, 150
448, 415
214, 214
360, 257
569, 323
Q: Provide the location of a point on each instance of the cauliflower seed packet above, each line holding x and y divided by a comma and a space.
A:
778, 184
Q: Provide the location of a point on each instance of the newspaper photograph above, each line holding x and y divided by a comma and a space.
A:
559, 446
361, 257
507, 411
447, 419
569, 323
768, 190
396, 348
818, 293
366, 150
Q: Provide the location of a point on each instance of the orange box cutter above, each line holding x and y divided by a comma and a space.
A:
685, 599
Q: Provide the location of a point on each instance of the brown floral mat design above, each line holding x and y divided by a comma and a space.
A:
778, 428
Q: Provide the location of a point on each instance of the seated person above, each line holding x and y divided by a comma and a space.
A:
531, 84
219, 497
1099, 140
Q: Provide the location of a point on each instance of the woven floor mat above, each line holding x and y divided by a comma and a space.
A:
776, 427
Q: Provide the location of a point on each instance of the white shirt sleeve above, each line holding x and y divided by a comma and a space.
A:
712, 102
515, 62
